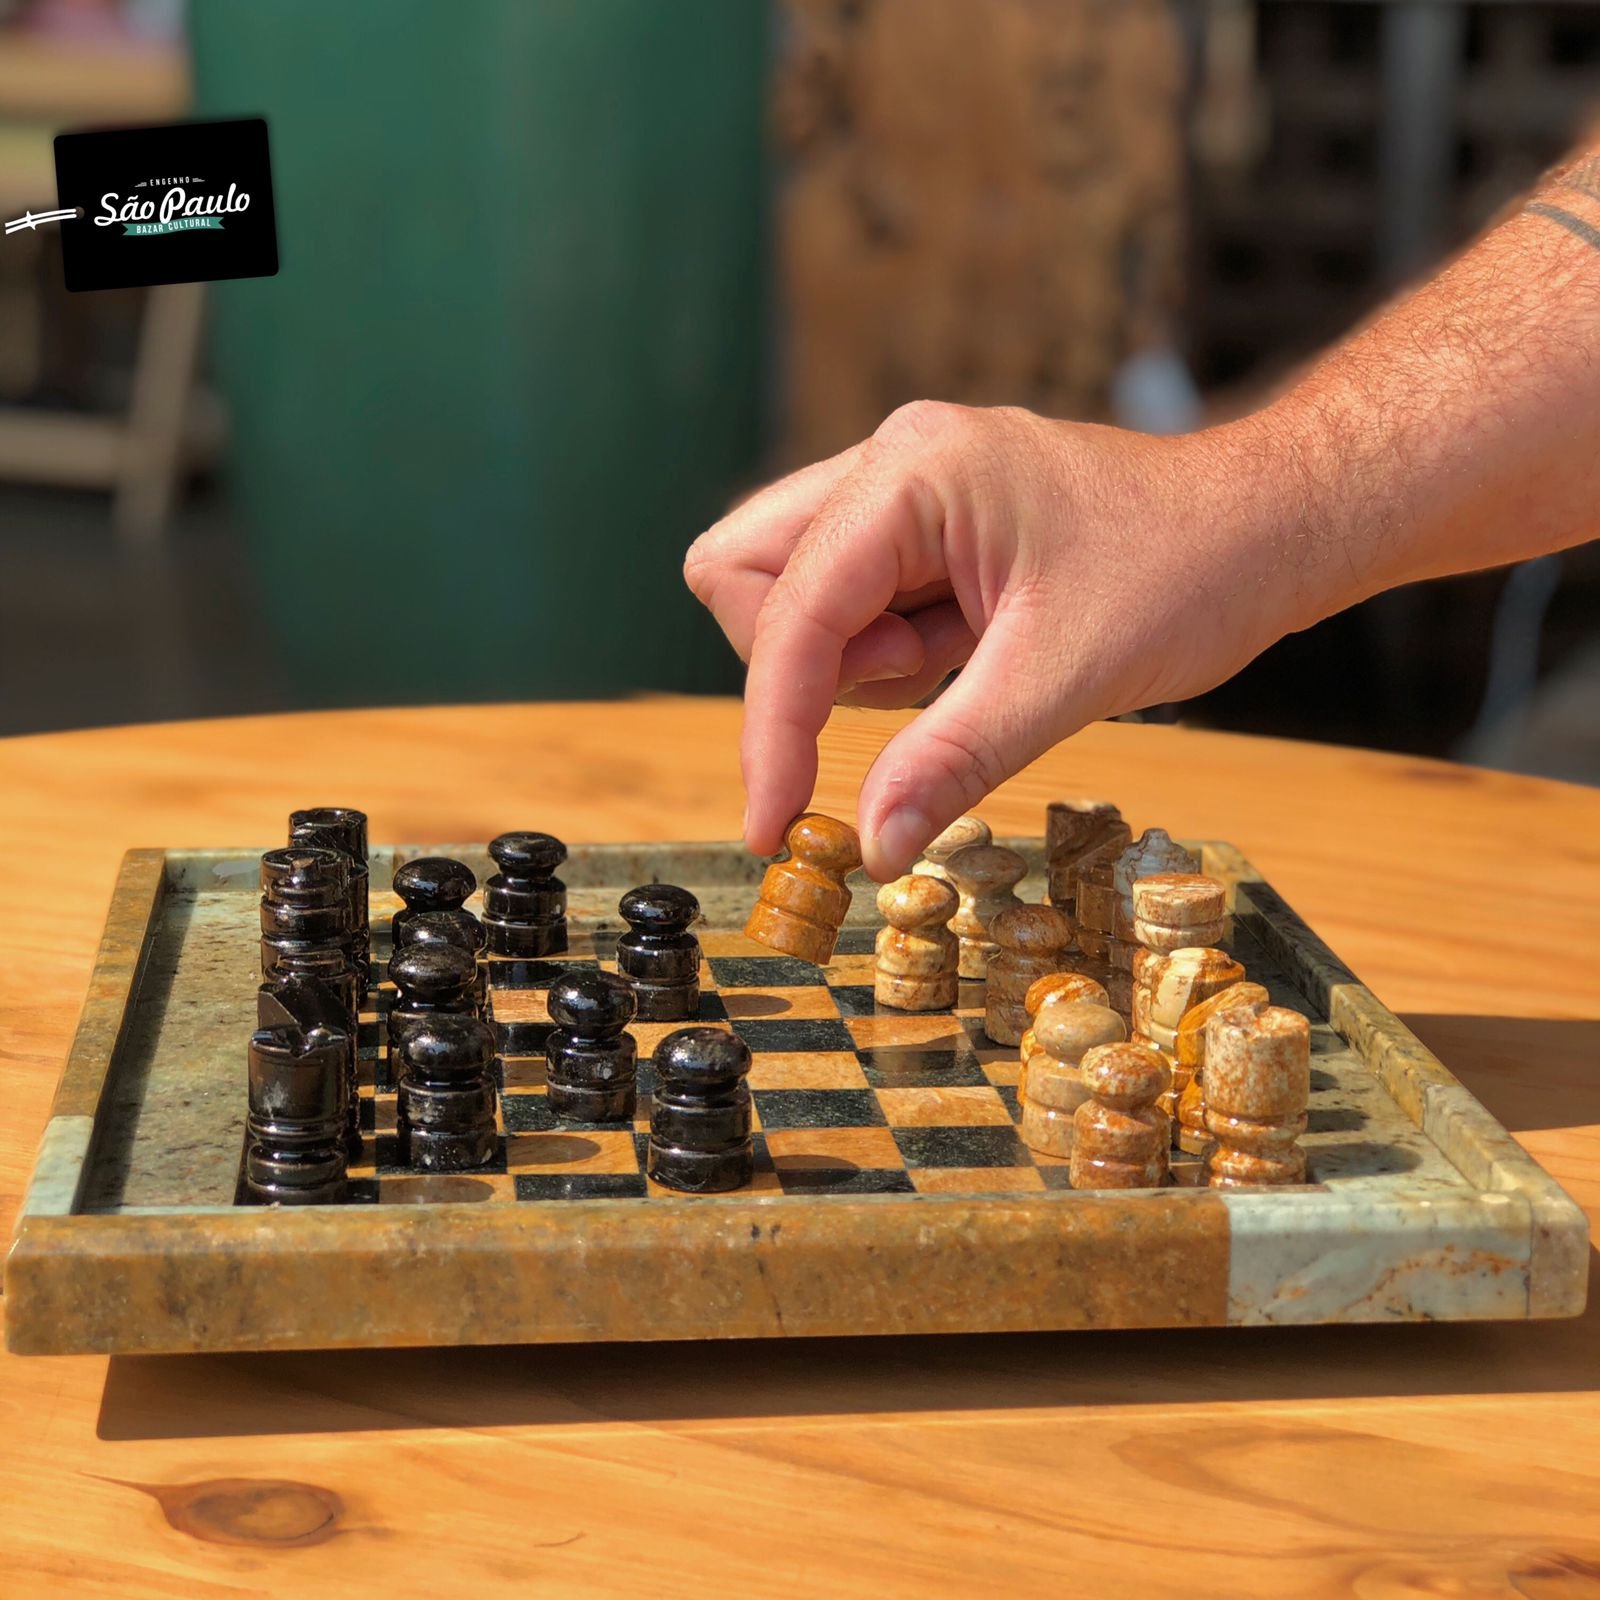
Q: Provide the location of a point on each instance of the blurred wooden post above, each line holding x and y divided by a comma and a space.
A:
983, 204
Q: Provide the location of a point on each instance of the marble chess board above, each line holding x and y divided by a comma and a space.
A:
891, 1193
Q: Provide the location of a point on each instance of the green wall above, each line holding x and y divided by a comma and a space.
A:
511, 362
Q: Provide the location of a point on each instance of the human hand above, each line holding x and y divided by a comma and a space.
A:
1078, 571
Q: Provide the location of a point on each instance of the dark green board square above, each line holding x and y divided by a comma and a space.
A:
961, 1147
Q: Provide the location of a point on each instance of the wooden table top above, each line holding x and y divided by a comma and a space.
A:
1379, 1461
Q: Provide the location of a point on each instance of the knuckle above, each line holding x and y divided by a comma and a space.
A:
922, 422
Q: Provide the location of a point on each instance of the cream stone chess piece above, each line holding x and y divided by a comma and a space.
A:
962, 832
986, 877
917, 954
1065, 1030
1257, 1086
1029, 942
1120, 1136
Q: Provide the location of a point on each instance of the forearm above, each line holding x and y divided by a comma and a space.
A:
1459, 430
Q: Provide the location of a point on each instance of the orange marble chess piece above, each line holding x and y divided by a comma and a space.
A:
962, 832
1066, 1031
1189, 1060
986, 877
1030, 942
1120, 1136
917, 954
803, 900
1053, 986
1257, 1084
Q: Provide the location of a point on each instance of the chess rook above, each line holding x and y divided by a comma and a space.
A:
658, 955
700, 1113
445, 1103
1065, 1030
1053, 986
985, 877
525, 903
1178, 911
1189, 1060
430, 883
962, 832
319, 1011
429, 978
803, 900
1257, 1085
305, 899
345, 830
592, 1065
1120, 1136
294, 1151
917, 954
1029, 942
1076, 831
459, 928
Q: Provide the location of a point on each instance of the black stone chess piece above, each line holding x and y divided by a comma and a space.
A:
314, 1006
445, 1114
459, 928
429, 978
592, 1064
345, 830
294, 1152
430, 883
305, 897
700, 1113
524, 903
658, 955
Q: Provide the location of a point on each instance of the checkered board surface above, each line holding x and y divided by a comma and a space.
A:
849, 1098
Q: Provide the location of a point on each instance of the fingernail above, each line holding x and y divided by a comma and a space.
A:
903, 833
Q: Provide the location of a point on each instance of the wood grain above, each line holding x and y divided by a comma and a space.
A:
1323, 1461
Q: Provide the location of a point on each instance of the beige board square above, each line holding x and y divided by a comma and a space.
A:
801, 1004
856, 969
647, 1035
936, 1029
1005, 1071
822, 1069
873, 1148
958, 1106
975, 1180
446, 1188
724, 942
524, 1072
605, 1150
519, 1005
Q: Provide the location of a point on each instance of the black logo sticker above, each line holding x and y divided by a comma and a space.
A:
186, 203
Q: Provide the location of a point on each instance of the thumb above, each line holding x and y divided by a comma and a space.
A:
1006, 708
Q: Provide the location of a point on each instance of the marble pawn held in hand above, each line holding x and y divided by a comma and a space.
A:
917, 954
1120, 1135
1066, 1031
1257, 1084
804, 900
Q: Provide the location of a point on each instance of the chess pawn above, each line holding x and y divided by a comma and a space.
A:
1053, 986
700, 1113
343, 829
429, 978
804, 900
305, 899
1029, 942
318, 1009
986, 877
458, 928
592, 1064
1120, 1137
1066, 1031
962, 832
1257, 1085
430, 883
658, 955
294, 1152
1189, 1059
524, 903
445, 1105
917, 952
